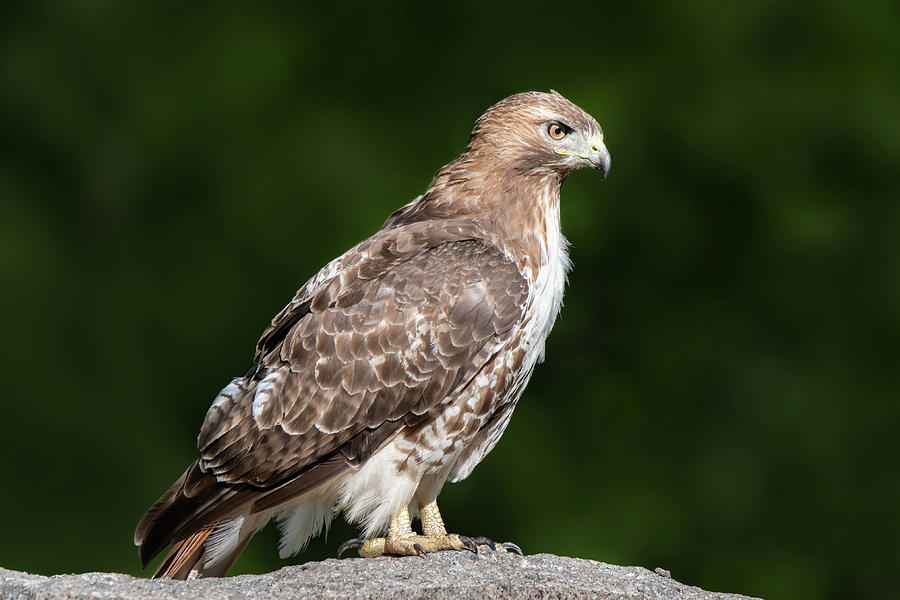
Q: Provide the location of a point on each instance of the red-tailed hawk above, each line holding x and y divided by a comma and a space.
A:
398, 365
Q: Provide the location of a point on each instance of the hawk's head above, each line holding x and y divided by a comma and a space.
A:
537, 132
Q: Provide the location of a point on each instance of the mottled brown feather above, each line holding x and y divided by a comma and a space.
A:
333, 395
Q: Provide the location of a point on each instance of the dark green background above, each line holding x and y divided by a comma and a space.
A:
721, 393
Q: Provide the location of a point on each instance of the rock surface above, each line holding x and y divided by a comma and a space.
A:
438, 576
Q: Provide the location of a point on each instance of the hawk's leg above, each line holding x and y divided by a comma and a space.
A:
432, 523
433, 527
402, 541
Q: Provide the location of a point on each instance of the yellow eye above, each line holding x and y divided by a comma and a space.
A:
556, 131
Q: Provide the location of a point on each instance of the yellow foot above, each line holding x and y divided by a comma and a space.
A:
408, 545
402, 541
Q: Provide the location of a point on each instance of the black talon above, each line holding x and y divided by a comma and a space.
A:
468, 543
485, 541
513, 547
354, 544
419, 549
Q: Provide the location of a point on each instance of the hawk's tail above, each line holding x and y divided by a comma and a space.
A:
202, 520
209, 552
209, 523
183, 556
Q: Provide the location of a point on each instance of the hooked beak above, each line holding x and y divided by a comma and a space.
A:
599, 156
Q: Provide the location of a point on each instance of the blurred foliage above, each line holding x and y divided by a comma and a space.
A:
721, 393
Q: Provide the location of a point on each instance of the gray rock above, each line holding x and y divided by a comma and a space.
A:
438, 576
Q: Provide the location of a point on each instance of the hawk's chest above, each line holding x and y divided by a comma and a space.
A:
547, 286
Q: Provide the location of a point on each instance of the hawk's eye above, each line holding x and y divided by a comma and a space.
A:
557, 131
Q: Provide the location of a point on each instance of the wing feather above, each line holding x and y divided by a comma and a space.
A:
417, 332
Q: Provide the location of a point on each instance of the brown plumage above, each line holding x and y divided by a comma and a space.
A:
398, 365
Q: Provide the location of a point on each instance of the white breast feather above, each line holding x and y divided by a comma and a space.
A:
549, 286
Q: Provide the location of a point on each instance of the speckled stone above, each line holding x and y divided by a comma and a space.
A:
438, 576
